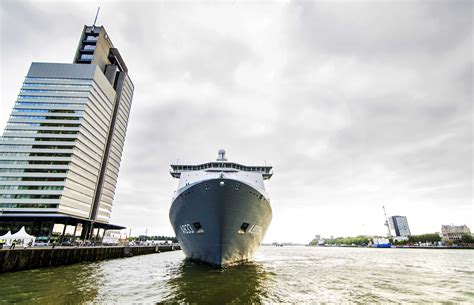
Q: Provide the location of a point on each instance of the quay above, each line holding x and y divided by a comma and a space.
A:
39, 257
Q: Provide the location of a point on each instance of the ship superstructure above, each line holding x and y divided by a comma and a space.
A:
220, 211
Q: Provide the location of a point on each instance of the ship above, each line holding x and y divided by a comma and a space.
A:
381, 242
220, 211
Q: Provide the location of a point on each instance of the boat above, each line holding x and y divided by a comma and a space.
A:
381, 242
220, 211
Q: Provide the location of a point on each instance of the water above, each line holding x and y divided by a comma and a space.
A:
278, 274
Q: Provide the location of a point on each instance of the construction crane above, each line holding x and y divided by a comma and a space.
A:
386, 223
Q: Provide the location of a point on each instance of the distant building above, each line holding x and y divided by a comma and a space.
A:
400, 238
399, 225
452, 233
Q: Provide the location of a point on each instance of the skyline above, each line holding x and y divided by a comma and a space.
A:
351, 117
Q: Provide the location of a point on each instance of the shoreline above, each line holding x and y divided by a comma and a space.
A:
12, 260
355, 246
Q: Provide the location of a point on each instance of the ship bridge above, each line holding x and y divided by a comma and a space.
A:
221, 165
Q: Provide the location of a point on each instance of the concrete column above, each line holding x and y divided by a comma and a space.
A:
74, 234
85, 231
50, 231
90, 232
64, 232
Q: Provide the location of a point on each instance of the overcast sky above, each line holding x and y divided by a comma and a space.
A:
356, 105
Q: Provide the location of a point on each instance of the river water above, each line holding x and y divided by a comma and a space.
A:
278, 274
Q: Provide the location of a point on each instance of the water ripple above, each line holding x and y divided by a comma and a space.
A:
288, 274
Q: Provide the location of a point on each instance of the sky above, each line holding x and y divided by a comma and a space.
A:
355, 104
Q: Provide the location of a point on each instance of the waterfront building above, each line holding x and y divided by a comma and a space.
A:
112, 237
453, 233
399, 238
61, 149
399, 225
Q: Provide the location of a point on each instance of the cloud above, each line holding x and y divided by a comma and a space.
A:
355, 104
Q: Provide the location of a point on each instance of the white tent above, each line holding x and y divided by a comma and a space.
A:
7, 238
23, 238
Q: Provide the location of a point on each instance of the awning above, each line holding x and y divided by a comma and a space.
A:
56, 218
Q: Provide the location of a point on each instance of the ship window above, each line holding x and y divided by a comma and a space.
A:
198, 227
237, 186
243, 228
206, 186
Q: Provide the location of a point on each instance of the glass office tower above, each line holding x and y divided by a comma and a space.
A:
399, 224
61, 149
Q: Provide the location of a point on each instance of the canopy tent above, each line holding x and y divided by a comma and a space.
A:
7, 238
21, 237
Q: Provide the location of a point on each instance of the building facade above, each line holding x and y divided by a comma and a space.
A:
399, 225
454, 233
61, 149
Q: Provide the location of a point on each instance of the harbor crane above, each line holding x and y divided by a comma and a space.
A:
386, 223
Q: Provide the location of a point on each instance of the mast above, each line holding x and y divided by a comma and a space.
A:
221, 157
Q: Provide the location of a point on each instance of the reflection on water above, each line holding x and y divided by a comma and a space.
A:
245, 283
59, 285
278, 274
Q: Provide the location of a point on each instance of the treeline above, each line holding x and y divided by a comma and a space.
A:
361, 240
432, 238
467, 239
358, 240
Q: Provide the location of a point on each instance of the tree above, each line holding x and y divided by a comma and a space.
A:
425, 238
358, 240
466, 239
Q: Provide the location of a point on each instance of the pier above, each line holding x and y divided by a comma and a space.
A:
32, 258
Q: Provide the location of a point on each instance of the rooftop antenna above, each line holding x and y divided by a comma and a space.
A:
96, 15
386, 223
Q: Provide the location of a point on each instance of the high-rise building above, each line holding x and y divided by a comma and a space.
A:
61, 149
399, 225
